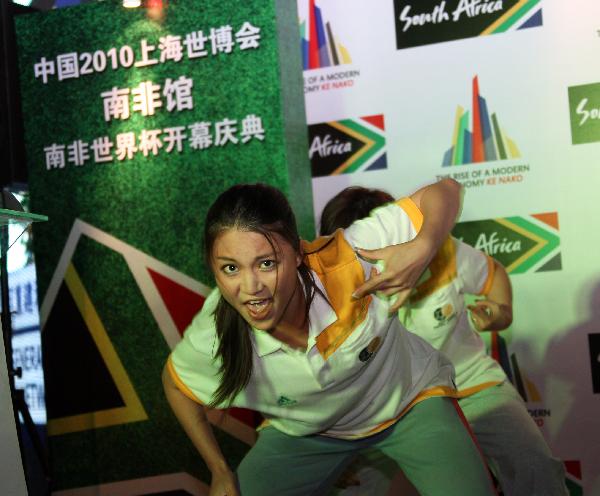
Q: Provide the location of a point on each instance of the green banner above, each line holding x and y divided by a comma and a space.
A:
135, 120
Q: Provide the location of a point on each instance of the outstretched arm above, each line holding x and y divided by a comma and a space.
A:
192, 418
494, 313
404, 263
440, 204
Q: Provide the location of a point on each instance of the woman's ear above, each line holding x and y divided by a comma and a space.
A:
299, 257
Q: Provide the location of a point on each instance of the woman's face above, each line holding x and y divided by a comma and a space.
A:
259, 280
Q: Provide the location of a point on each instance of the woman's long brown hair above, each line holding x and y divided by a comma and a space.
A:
257, 208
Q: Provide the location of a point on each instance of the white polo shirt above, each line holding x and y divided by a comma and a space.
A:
361, 370
438, 314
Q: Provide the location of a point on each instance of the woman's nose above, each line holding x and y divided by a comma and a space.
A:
251, 283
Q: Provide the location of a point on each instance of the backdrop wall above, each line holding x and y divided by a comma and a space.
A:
502, 96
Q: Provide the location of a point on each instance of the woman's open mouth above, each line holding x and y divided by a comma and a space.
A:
259, 309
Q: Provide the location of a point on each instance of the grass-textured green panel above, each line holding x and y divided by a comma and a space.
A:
156, 204
135, 449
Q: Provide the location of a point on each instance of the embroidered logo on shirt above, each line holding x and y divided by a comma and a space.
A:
285, 401
370, 350
444, 314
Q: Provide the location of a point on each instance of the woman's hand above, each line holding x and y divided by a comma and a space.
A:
348, 478
488, 315
223, 483
403, 264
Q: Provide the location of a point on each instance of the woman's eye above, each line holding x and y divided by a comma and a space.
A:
229, 269
268, 264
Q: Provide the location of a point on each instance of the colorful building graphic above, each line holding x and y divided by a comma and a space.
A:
527, 389
530, 394
594, 343
522, 244
320, 47
485, 141
499, 352
347, 146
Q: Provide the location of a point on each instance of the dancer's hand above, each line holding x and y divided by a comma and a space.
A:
403, 265
488, 315
224, 484
348, 478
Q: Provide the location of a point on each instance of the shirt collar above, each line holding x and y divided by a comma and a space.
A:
321, 313
264, 343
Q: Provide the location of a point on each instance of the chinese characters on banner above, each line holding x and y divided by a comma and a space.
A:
147, 97
202, 135
171, 48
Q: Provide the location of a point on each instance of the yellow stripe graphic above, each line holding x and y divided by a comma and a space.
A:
540, 242
133, 411
490, 29
369, 143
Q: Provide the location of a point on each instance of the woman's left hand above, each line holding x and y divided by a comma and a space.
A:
484, 313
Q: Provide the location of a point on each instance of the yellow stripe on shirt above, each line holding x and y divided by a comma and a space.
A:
422, 396
487, 285
414, 214
463, 393
340, 271
442, 269
180, 384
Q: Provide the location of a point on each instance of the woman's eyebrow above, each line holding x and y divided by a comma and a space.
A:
271, 254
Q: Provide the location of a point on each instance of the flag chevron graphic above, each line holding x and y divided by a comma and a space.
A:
423, 22
546, 243
524, 13
521, 243
374, 144
368, 146
157, 282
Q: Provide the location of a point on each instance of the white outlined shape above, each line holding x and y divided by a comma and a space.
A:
138, 262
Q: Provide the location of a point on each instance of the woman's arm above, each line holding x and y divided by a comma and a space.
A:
440, 204
192, 418
494, 313
404, 263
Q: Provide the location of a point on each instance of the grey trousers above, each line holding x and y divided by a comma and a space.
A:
511, 442
430, 443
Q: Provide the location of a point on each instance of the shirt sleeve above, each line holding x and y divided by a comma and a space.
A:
475, 269
192, 363
391, 224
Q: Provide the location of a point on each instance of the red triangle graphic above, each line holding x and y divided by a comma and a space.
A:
550, 218
495, 347
376, 120
183, 304
573, 468
248, 417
